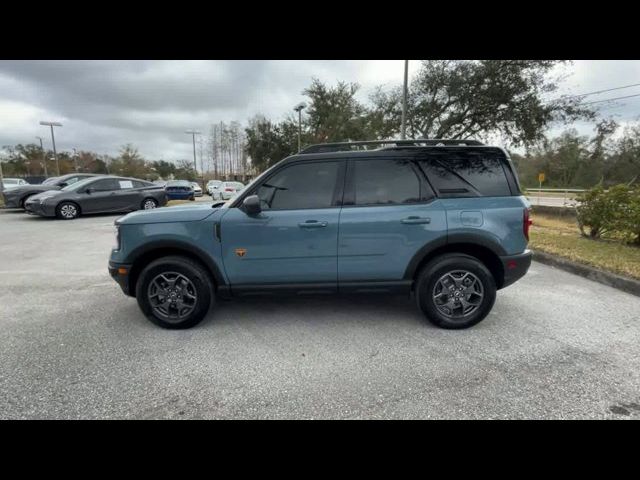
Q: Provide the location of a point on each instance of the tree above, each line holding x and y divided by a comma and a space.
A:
464, 99
334, 114
268, 143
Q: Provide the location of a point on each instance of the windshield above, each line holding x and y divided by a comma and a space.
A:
77, 185
10, 181
50, 180
178, 183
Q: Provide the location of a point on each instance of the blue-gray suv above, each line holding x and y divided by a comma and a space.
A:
444, 220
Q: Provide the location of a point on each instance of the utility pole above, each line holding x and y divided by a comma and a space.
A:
193, 134
53, 141
44, 159
75, 159
298, 108
403, 132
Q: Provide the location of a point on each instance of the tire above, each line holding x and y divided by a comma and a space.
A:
163, 280
149, 204
192, 199
67, 211
466, 303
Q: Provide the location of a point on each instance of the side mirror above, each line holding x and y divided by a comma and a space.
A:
251, 205
88, 191
63, 184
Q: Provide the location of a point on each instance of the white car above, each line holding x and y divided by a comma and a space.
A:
9, 183
213, 189
231, 189
197, 191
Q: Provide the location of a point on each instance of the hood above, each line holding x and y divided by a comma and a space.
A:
46, 194
181, 213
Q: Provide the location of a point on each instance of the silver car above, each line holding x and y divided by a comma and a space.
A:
197, 190
231, 189
213, 189
9, 183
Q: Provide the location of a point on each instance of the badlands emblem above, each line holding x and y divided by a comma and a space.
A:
241, 252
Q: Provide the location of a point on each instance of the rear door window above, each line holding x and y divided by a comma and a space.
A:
466, 174
385, 182
105, 185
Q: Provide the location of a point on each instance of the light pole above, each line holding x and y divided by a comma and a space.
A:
44, 160
193, 133
53, 141
298, 108
403, 132
75, 159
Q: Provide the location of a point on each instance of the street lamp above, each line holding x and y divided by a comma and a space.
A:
193, 133
44, 160
53, 140
403, 132
298, 108
75, 159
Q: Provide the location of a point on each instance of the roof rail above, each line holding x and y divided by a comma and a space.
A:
420, 142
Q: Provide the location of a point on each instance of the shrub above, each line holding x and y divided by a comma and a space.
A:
615, 212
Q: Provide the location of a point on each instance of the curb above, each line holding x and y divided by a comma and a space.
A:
625, 284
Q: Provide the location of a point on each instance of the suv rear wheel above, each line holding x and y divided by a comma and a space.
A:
455, 291
174, 292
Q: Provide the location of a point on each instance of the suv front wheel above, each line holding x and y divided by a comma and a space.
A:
174, 292
455, 291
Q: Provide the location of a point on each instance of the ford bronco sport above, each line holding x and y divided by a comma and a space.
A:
442, 219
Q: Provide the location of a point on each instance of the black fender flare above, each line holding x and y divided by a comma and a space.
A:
460, 238
177, 246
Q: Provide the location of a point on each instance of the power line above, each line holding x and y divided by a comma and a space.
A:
603, 91
612, 99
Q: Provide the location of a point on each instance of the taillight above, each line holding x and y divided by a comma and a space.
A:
526, 223
228, 189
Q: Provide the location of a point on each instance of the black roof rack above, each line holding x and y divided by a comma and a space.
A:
420, 142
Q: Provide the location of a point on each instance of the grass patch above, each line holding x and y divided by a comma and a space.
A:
560, 236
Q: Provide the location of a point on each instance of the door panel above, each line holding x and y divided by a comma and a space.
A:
377, 243
278, 246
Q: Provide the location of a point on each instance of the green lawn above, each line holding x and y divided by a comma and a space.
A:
561, 237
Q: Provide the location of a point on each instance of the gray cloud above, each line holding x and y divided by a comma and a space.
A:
105, 104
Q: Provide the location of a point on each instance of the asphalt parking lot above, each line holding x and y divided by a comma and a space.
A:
73, 346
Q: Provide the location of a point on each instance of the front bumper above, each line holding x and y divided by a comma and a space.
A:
515, 267
179, 195
43, 209
120, 273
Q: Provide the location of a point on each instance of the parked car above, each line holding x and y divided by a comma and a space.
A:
213, 189
443, 220
230, 190
179, 190
160, 183
9, 183
99, 194
16, 197
197, 190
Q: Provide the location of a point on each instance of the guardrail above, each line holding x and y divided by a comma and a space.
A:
562, 193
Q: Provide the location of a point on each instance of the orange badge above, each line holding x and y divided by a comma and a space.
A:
241, 252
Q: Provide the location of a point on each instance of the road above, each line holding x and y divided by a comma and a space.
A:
73, 346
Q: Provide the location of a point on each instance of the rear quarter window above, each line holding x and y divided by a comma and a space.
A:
467, 174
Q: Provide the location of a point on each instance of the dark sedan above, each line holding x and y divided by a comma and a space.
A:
16, 197
101, 194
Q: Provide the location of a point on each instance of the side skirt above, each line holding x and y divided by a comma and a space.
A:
391, 287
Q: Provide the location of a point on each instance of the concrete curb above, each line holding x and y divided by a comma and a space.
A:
625, 284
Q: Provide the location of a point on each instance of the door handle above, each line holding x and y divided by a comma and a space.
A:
312, 224
415, 220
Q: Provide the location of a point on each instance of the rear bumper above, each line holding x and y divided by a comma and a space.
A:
120, 273
179, 195
515, 267
11, 202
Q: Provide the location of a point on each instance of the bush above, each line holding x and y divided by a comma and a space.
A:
614, 212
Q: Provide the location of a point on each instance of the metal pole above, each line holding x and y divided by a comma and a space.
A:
403, 132
75, 159
44, 159
299, 129
55, 154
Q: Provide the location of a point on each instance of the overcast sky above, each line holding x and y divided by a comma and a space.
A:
106, 104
